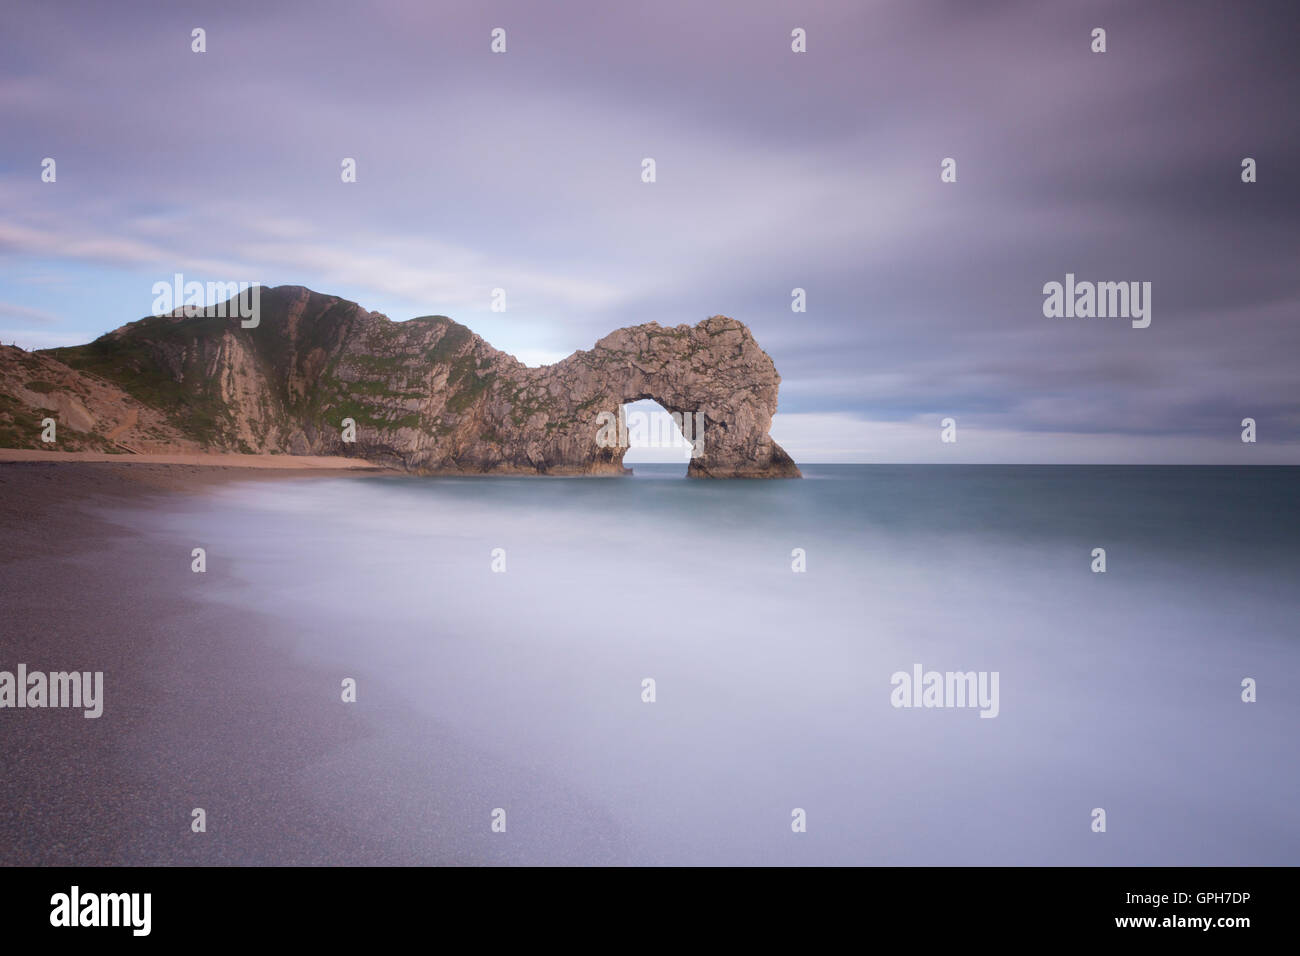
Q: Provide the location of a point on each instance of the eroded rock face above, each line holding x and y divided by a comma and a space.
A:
714, 368
91, 414
430, 395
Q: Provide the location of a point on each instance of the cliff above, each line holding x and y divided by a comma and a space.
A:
427, 395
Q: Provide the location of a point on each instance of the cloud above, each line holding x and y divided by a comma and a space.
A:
775, 170
9, 310
843, 438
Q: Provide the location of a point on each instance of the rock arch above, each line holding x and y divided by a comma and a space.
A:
715, 369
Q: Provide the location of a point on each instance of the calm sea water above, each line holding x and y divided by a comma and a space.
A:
523, 690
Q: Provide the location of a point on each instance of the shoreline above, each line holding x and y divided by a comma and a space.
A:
210, 701
300, 466
31, 489
198, 460
205, 703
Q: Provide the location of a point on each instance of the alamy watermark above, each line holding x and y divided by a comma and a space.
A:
658, 430
129, 910
36, 689
1102, 300
242, 300
946, 689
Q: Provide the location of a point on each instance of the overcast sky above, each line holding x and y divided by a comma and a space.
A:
775, 170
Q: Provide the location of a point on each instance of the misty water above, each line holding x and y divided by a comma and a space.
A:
523, 690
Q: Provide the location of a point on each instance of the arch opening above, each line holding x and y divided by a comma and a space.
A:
660, 441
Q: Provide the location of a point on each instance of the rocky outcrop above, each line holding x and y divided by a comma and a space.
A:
90, 413
425, 394
714, 369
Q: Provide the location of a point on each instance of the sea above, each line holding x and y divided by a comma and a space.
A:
663, 671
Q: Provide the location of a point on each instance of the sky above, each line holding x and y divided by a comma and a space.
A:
775, 170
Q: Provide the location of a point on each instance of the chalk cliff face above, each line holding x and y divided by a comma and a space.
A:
426, 394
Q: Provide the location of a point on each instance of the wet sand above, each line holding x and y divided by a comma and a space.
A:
298, 463
205, 705
190, 691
